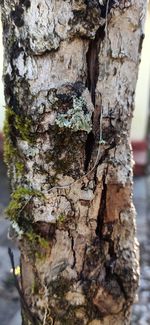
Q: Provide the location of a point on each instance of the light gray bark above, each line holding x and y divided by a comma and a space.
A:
70, 73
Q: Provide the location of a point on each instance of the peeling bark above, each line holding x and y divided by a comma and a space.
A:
70, 73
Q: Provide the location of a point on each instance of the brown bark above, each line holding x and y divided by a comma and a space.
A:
70, 73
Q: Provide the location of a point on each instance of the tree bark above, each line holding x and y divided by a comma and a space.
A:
70, 71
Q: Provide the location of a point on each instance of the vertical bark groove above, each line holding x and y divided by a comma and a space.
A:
93, 61
89, 146
92, 78
102, 209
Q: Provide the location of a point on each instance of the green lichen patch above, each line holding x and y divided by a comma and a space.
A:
75, 118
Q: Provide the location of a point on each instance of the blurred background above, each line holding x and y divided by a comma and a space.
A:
140, 139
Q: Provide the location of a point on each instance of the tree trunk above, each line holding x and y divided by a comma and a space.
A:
70, 73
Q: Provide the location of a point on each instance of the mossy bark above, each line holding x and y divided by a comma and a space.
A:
70, 71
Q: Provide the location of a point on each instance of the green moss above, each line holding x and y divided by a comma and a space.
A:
35, 238
9, 150
23, 126
63, 221
43, 242
61, 218
34, 288
15, 127
19, 168
39, 245
19, 201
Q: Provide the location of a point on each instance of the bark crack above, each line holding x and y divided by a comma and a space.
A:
73, 250
102, 209
92, 78
89, 145
106, 6
93, 62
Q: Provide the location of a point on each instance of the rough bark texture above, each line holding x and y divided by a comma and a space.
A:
70, 73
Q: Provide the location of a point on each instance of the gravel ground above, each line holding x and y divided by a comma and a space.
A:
9, 300
141, 310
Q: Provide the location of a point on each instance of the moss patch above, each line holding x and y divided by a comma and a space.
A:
61, 218
35, 238
9, 150
23, 125
19, 168
18, 207
15, 127
39, 245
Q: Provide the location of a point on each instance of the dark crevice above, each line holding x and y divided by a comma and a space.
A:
88, 149
73, 250
120, 283
74, 254
104, 7
106, 152
104, 157
93, 63
102, 209
92, 58
92, 78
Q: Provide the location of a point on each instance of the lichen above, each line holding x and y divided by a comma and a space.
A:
75, 118
17, 232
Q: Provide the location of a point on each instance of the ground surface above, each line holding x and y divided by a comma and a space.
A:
9, 300
141, 310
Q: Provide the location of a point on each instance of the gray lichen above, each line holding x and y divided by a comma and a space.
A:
76, 118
